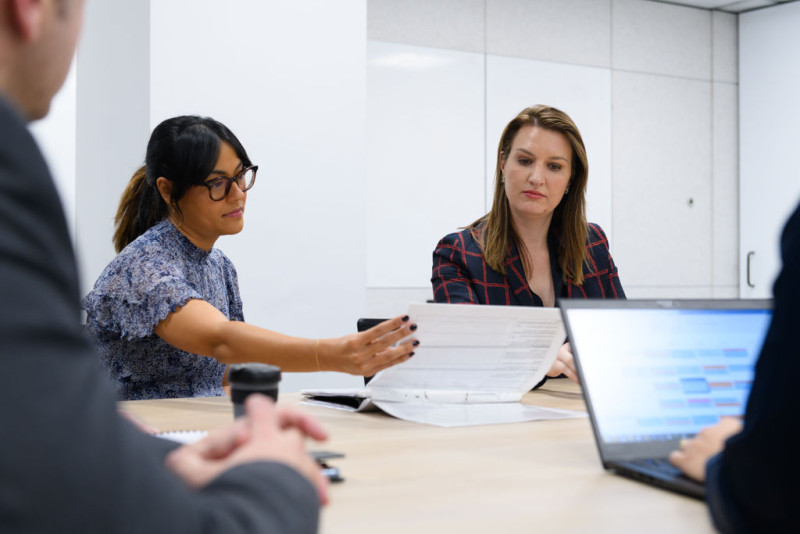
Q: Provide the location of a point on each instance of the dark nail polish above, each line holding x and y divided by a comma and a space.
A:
412, 327
416, 342
405, 318
411, 355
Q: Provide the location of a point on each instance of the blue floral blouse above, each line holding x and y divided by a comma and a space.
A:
158, 272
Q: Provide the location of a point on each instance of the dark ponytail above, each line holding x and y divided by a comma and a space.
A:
140, 208
184, 150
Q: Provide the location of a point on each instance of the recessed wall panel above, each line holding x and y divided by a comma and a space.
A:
424, 156
566, 31
725, 185
662, 180
661, 39
453, 24
725, 33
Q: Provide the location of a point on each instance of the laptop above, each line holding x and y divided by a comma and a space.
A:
656, 371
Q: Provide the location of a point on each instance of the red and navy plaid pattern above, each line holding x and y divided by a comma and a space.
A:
460, 274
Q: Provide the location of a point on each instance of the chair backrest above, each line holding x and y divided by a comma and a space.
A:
365, 323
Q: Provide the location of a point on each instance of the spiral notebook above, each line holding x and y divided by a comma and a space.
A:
183, 436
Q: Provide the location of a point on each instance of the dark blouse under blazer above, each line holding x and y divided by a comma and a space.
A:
461, 275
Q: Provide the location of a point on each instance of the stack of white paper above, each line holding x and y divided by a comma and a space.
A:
473, 365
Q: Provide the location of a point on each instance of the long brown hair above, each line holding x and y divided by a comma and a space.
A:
494, 231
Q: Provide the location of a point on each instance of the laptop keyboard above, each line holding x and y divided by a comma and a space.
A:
659, 465
659, 472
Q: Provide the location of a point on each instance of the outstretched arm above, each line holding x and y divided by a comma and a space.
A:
200, 328
266, 433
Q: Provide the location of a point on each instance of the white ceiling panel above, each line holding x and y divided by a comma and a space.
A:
731, 6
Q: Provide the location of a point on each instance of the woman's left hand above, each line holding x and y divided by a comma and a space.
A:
564, 364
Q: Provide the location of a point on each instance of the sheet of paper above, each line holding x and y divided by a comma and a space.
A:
472, 367
500, 350
454, 415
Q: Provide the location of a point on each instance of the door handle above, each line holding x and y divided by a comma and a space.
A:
749, 255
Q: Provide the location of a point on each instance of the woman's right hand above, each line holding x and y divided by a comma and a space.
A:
370, 351
267, 433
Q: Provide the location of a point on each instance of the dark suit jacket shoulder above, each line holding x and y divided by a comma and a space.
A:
68, 462
461, 275
752, 486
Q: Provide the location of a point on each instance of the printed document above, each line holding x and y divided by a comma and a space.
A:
473, 365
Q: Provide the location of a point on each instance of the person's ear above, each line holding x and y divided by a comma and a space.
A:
165, 189
27, 17
502, 161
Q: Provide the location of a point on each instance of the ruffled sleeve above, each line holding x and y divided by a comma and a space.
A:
134, 294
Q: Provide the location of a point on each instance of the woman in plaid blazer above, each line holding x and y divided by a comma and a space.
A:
535, 245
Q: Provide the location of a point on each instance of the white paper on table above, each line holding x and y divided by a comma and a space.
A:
468, 355
452, 415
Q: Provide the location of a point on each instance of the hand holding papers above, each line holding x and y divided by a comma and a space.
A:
473, 366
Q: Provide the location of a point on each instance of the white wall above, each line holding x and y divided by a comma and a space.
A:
651, 86
112, 128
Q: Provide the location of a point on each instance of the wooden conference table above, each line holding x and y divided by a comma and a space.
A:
406, 477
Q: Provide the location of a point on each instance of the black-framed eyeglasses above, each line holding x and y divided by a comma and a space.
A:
219, 188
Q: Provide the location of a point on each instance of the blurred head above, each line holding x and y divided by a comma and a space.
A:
552, 133
188, 165
37, 44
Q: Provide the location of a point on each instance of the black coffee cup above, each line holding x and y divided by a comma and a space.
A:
247, 378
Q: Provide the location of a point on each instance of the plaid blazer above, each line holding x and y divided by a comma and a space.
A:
460, 274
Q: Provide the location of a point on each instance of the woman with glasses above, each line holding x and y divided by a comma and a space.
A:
165, 314
534, 246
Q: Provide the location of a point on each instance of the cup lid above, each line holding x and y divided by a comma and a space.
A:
253, 373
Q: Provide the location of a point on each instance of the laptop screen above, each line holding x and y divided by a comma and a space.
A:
654, 372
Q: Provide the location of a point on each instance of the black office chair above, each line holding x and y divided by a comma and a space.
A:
365, 323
